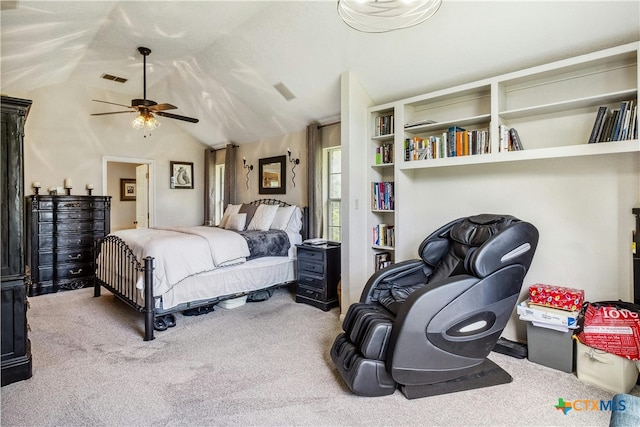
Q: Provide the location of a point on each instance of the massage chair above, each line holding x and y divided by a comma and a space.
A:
427, 325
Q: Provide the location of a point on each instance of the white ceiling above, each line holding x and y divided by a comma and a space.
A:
219, 60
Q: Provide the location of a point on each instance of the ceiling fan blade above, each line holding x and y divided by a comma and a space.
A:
113, 112
175, 116
161, 107
112, 103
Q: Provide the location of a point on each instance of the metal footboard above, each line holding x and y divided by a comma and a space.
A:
118, 270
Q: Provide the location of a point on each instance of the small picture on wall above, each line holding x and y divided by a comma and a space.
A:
127, 189
181, 175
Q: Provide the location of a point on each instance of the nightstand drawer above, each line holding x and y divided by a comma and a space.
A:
307, 255
311, 281
309, 293
311, 267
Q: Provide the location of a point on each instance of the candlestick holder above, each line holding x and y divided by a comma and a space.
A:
68, 191
294, 162
249, 168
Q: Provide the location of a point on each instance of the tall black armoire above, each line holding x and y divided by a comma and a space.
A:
16, 348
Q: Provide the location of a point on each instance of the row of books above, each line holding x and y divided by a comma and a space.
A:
382, 260
509, 139
615, 125
383, 125
384, 235
384, 154
455, 142
382, 196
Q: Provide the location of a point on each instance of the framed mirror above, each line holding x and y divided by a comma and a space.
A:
272, 173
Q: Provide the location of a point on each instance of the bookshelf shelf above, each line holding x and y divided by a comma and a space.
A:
383, 248
466, 121
601, 148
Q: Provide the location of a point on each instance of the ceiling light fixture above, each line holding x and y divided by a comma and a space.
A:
145, 121
380, 16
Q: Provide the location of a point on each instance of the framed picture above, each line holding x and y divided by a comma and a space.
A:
272, 175
382, 260
127, 189
181, 174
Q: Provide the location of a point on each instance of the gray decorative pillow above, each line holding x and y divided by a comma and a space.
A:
250, 210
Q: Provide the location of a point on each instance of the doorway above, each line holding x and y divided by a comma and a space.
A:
129, 212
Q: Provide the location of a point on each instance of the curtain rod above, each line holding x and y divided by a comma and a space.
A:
329, 124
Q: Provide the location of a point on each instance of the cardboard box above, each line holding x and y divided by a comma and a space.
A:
605, 370
552, 316
569, 299
551, 348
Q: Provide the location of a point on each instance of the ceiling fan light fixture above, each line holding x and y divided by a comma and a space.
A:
380, 16
147, 122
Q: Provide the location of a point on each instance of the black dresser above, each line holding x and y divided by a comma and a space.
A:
318, 275
61, 232
16, 347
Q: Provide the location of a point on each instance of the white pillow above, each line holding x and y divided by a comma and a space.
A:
263, 217
295, 223
282, 217
231, 209
236, 222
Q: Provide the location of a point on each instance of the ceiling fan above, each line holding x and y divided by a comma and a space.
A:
146, 107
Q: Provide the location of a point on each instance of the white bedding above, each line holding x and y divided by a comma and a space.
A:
180, 252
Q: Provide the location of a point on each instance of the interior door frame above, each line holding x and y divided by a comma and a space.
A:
152, 180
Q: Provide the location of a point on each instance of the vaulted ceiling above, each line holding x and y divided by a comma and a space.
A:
220, 60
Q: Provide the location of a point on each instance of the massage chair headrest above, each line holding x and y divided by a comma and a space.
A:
466, 236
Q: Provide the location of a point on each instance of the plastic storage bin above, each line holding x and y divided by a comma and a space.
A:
233, 302
551, 348
605, 370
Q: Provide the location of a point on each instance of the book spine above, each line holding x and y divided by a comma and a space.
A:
597, 125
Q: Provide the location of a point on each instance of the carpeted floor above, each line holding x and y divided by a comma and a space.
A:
259, 364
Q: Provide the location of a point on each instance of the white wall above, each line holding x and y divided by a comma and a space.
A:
62, 140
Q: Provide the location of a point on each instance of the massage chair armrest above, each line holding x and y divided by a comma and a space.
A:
410, 272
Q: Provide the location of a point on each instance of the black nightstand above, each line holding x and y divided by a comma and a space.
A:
318, 275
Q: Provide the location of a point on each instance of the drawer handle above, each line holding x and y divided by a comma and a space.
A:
77, 242
76, 272
75, 257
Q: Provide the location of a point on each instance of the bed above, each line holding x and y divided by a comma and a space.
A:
164, 270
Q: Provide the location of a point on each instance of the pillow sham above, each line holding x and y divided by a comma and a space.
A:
230, 210
236, 222
263, 217
283, 215
295, 222
250, 210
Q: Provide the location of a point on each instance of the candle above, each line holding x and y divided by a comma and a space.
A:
67, 183
89, 186
36, 184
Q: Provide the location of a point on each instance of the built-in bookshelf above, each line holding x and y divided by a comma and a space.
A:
555, 110
542, 112
381, 219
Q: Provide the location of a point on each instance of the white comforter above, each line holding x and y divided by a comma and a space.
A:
180, 252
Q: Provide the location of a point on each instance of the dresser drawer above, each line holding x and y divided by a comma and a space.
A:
305, 255
64, 216
311, 267
66, 255
78, 226
65, 271
65, 240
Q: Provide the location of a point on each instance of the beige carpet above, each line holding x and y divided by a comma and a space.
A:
259, 364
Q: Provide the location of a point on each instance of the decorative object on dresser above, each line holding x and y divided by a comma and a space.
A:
61, 231
16, 347
318, 274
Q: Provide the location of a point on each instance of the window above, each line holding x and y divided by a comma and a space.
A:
334, 189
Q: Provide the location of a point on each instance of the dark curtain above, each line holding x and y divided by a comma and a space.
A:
314, 180
209, 184
230, 175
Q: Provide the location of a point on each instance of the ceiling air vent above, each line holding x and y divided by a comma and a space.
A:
114, 78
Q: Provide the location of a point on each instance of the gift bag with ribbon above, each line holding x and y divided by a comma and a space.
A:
611, 326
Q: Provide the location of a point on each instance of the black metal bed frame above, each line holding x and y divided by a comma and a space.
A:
119, 271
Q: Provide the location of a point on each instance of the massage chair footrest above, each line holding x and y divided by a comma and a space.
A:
365, 377
486, 374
